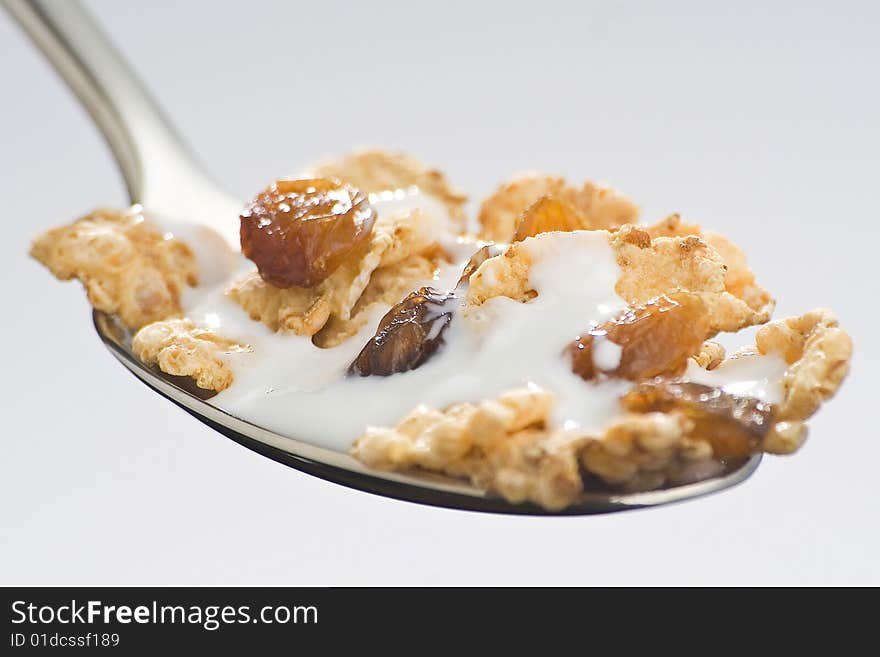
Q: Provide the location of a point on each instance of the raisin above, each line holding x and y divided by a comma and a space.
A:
408, 334
298, 232
735, 426
412, 331
547, 214
653, 338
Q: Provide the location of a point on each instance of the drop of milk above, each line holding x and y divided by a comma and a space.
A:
606, 354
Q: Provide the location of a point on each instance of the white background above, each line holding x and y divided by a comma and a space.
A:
758, 121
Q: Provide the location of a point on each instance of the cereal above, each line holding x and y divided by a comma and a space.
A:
508, 445
597, 206
499, 444
377, 171
180, 348
125, 264
710, 355
396, 238
504, 445
546, 214
387, 286
604, 207
739, 280
301, 310
410, 232
679, 286
818, 352
649, 269
734, 425
655, 266
642, 452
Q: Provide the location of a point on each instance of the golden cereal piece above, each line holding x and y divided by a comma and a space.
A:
534, 466
507, 445
387, 286
504, 445
673, 226
410, 232
649, 268
711, 355
785, 437
739, 279
180, 348
500, 213
507, 274
604, 207
655, 266
375, 170
642, 452
818, 352
304, 310
126, 265
294, 309
598, 206
498, 444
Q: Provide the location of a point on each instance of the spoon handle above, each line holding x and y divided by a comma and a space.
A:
158, 169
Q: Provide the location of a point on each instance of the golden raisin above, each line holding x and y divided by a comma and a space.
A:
546, 214
735, 426
298, 232
653, 338
408, 334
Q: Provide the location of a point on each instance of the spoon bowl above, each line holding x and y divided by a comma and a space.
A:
162, 176
422, 488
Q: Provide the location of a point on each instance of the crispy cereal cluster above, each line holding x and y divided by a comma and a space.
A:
507, 445
673, 432
649, 268
129, 268
376, 171
329, 265
125, 264
181, 348
591, 206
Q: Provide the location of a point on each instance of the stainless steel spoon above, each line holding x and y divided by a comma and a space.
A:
163, 176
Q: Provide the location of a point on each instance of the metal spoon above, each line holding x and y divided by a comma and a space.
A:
163, 176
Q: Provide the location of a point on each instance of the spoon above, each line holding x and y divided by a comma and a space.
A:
161, 175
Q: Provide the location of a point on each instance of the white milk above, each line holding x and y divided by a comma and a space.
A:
294, 388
